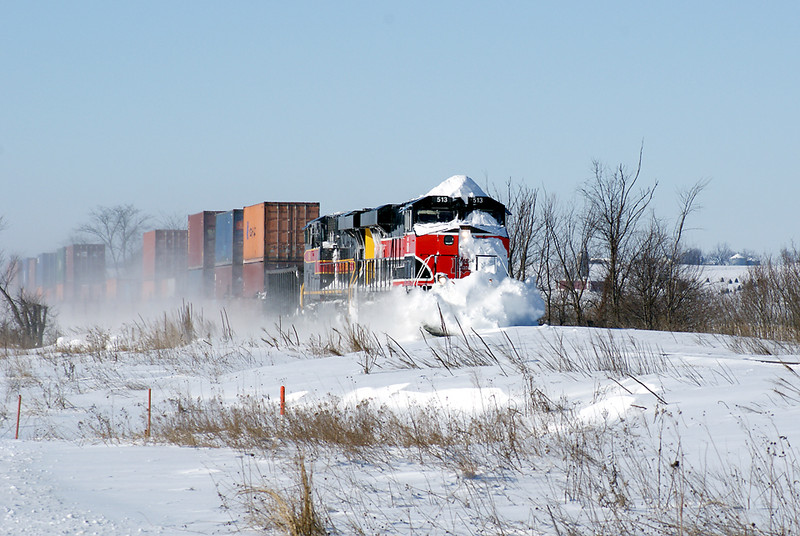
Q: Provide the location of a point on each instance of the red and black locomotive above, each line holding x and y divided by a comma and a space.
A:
428, 240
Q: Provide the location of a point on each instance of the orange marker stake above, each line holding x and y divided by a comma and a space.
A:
19, 410
283, 399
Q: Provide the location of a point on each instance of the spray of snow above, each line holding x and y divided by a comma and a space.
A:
479, 301
458, 186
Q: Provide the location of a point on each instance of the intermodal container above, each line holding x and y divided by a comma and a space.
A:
30, 280
252, 279
122, 290
46, 271
282, 289
228, 281
148, 290
229, 238
201, 245
85, 264
89, 292
61, 266
164, 254
273, 231
200, 283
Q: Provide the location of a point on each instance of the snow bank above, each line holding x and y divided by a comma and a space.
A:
458, 186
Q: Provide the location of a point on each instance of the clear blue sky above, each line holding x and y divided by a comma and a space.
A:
181, 106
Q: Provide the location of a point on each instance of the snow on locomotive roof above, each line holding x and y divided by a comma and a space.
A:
458, 186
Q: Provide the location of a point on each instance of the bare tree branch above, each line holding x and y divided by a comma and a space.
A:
615, 208
119, 228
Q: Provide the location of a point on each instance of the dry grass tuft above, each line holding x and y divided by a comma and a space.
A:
291, 511
179, 329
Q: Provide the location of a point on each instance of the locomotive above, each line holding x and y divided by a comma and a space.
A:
453, 230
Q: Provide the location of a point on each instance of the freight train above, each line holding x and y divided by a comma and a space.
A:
250, 252
286, 254
452, 231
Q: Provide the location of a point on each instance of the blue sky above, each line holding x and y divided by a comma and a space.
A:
179, 107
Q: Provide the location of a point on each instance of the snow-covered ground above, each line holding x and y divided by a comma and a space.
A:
584, 428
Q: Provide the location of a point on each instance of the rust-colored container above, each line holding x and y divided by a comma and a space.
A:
164, 254
202, 234
273, 231
228, 281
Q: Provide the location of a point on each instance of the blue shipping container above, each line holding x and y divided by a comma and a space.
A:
229, 238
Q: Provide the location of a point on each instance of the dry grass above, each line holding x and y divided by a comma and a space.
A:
180, 328
292, 511
625, 477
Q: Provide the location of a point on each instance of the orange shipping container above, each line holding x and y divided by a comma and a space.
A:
273, 231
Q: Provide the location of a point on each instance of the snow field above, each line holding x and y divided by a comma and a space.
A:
593, 447
502, 427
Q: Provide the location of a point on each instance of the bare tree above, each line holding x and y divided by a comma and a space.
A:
648, 276
546, 278
683, 283
28, 312
172, 220
568, 239
721, 254
662, 291
615, 208
522, 226
120, 228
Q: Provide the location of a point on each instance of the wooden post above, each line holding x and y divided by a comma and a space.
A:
19, 411
283, 399
149, 412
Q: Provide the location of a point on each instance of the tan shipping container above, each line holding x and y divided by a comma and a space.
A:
273, 231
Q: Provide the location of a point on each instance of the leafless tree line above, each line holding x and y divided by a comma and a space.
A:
637, 279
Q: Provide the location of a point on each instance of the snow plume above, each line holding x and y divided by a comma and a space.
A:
478, 301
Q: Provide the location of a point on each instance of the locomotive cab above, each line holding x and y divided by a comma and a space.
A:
433, 210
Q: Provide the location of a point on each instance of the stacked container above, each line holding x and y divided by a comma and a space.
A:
201, 249
228, 248
30, 273
85, 272
46, 274
61, 274
164, 262
274, 243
